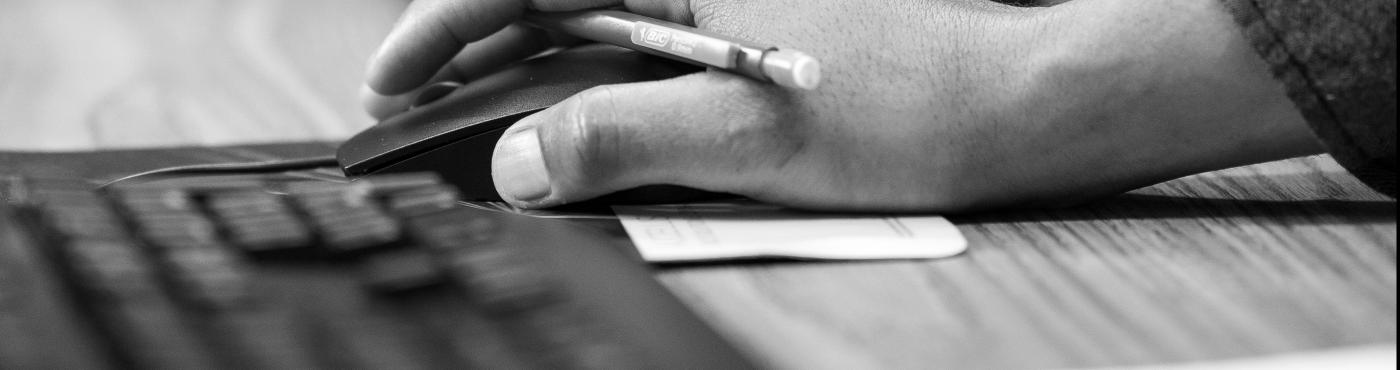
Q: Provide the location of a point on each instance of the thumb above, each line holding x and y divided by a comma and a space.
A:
709, 131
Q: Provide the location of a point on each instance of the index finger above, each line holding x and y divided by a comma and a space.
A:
431, 32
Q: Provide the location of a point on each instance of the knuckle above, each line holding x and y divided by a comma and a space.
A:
592, 130
706, 11
675, 11
757, 125
718, 16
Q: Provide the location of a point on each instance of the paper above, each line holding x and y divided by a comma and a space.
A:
713, 231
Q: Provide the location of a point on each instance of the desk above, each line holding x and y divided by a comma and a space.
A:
1271, 258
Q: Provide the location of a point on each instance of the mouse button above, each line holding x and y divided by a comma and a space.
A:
464, 164
402, 138
498, 100
469, 110
434, 92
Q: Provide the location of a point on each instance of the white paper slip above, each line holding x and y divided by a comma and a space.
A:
711, 231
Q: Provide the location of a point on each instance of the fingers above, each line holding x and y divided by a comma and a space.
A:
511, 44
709, 131
432, 32
382, 107
476, 59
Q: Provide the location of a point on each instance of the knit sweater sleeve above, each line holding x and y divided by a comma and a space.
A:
1336, 60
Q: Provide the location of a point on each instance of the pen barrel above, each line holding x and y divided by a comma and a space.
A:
687, 44
660, 38
601, 26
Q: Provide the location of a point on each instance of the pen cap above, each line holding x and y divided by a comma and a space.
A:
792, 69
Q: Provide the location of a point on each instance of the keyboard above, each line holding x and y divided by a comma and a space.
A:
380, 273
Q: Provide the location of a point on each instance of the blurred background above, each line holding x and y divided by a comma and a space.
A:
101, 74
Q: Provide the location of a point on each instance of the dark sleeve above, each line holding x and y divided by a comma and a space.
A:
1337, 62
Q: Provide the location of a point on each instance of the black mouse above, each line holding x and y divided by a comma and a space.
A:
454, 136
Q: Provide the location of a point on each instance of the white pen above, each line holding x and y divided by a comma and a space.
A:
784, 67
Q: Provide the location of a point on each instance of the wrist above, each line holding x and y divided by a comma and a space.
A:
1160, 89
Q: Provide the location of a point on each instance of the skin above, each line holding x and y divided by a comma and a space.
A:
946, 106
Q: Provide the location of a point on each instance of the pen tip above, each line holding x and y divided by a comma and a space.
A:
792, 69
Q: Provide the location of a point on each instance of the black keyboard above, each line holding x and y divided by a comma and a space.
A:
382, 273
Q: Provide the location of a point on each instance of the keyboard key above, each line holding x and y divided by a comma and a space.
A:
422, 200
77, 212
93, 222
269, 236
381, 185
112, 271
458, 228
517, 290
500, 281
191, 185
143, 201
168, 218
54, 192
347, 221
36, 311
208, 276
163, 271
357, 231
260, 222
174, 231
134, 316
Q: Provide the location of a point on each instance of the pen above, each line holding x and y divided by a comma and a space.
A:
784, 67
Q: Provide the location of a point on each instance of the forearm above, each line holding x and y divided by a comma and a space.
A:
1337, 62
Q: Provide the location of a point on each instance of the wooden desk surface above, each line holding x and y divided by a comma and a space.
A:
1271, 258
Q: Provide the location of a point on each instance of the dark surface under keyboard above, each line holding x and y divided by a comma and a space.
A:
385, 273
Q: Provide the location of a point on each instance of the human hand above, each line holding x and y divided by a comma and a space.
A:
944, 106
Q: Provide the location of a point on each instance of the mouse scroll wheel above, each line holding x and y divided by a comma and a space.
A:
434, 92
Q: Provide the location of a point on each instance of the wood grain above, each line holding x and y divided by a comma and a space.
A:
1263, 259
1270, 258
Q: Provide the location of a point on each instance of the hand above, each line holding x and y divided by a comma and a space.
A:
949, 106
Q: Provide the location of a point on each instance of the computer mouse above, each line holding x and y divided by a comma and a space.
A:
455, 135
